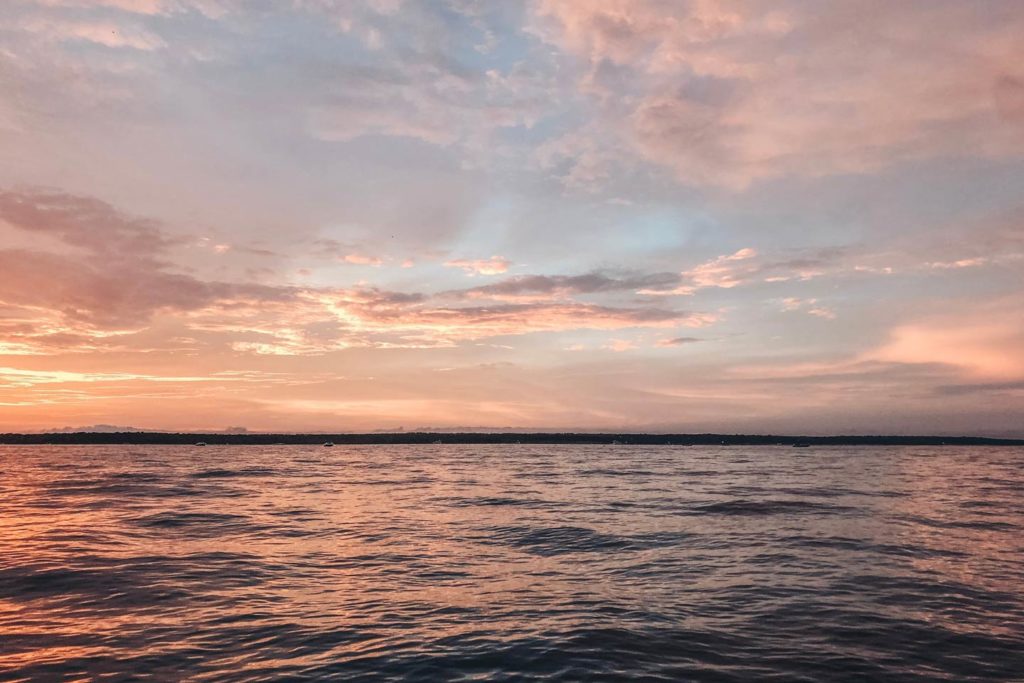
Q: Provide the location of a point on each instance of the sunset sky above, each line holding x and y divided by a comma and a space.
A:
628, 214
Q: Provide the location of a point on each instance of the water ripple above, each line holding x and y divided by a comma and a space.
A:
511, 563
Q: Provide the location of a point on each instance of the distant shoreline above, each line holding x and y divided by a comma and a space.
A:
483, 438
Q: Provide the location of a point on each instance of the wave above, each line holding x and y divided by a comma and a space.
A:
759, 508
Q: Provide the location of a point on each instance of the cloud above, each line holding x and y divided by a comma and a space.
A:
363, 260
725, 272
418, 85
722, 271
678, 341
355, 253
809, 306
1009, 97
995, 388
101, 295
83, 222
960, 263
385, 317
580, 159
526, 288
321, 320
118, 278
492, 266
107, 34
734, 92
211, 8
985, 341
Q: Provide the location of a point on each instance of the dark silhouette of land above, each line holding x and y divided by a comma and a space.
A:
545, 438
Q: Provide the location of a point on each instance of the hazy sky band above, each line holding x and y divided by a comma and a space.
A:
693, 216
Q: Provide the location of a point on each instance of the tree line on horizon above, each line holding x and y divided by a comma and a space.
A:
540, 438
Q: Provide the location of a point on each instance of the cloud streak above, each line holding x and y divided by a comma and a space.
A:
496, 265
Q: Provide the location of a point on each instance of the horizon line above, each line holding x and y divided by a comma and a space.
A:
144, 437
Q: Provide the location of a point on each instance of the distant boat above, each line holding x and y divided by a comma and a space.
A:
200, 443
329, 444
616, 443
801, 444
439, 441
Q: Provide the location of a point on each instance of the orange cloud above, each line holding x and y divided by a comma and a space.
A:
983, 343
363, 260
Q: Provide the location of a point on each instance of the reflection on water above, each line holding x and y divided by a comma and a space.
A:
511, 562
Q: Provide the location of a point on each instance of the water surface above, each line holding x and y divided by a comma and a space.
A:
565, 563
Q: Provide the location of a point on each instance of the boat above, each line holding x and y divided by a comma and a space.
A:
200, 443
801, 444
328, 444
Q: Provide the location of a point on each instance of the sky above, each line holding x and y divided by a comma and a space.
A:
652, 215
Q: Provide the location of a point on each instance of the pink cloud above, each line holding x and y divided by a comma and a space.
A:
725, 272
492, 266
677, 341
729, 93
959, 263
539, 288
119, 282
85, 223
112, 34
133, 6
809, 306
382, 313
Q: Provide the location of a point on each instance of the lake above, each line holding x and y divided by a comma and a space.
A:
511, 563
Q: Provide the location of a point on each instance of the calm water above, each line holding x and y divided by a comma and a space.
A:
511, 563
